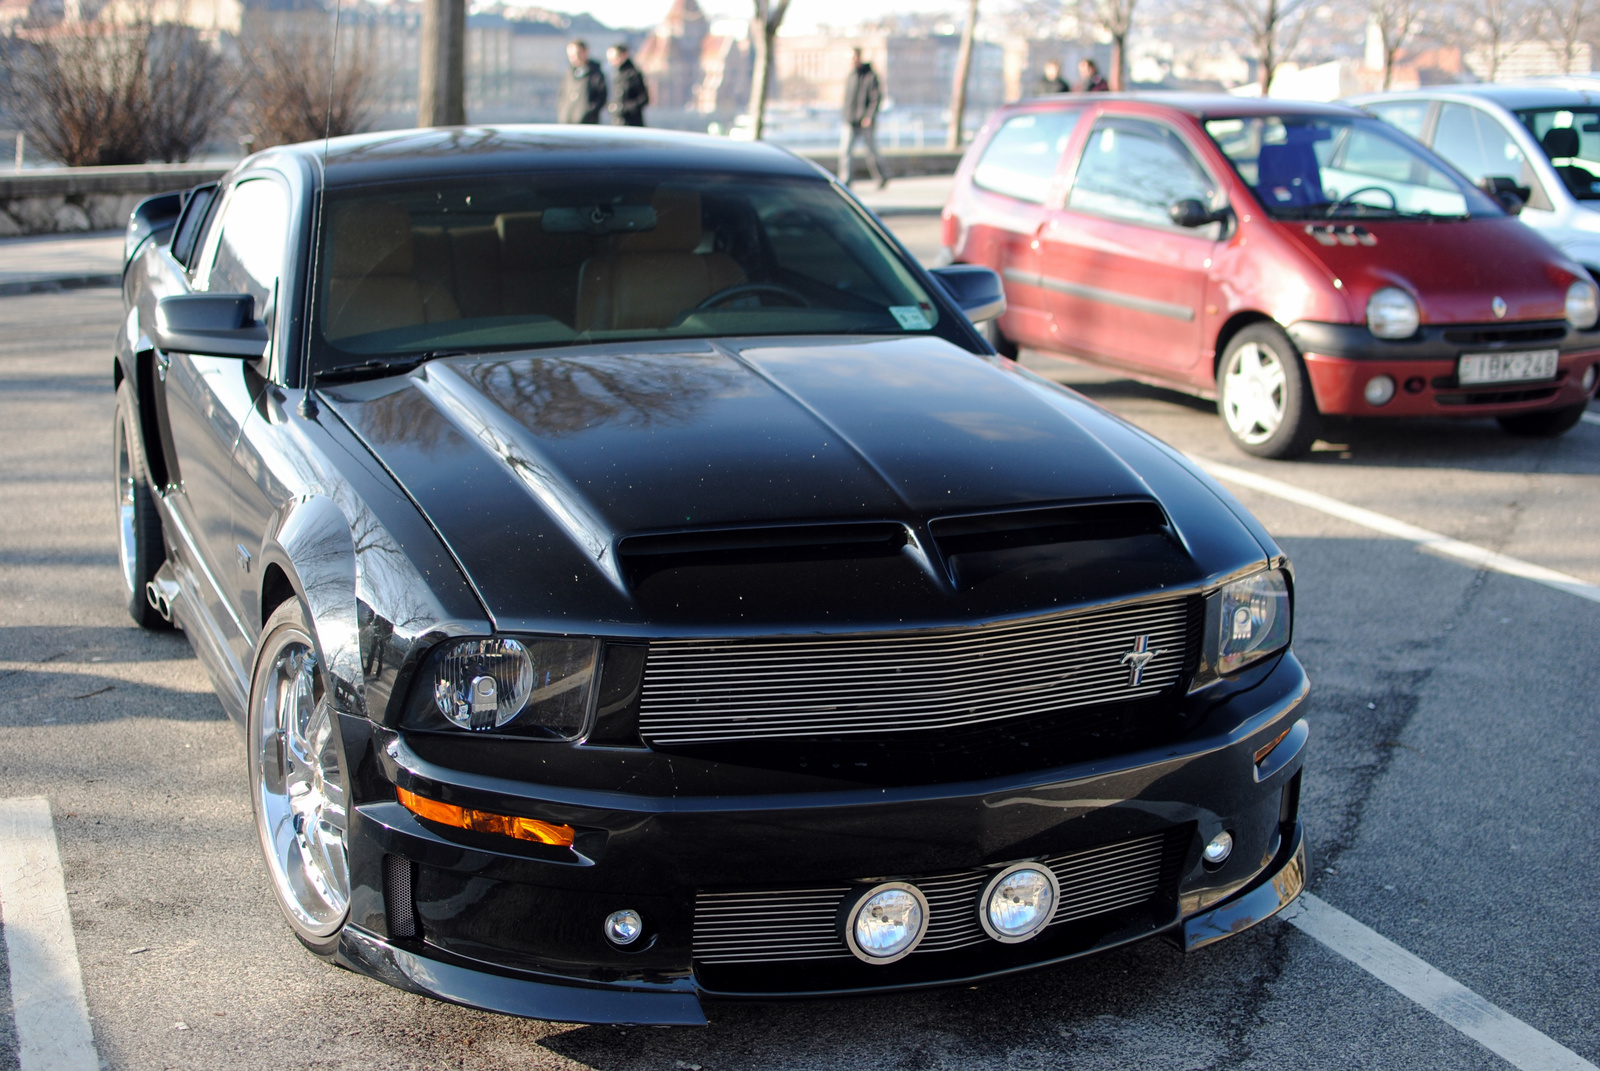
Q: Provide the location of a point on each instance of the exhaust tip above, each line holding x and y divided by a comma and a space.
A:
157, 598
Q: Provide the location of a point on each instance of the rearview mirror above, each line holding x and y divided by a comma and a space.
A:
1188, 212
1505, 191
210, 325
977, 290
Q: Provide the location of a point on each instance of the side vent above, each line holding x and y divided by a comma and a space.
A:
397, 898
642, 555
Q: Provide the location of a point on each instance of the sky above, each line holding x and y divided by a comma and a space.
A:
802, 15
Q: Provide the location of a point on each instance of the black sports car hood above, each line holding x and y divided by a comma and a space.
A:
780, 484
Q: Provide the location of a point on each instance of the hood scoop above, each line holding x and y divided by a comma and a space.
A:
643, 555
983, 546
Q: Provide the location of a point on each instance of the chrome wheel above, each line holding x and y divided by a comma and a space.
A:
127, 532
1254, 393
300, 785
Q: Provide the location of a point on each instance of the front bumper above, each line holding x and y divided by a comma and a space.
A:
519, 932
1341, 358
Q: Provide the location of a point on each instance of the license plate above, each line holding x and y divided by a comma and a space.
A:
1507, 367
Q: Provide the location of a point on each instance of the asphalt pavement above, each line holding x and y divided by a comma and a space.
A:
1449, 794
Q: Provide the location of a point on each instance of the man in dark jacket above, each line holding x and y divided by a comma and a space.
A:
1052, 82
862, 95
629, 94
583, 97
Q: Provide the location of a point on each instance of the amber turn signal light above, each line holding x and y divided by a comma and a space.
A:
1264, 752
506, 825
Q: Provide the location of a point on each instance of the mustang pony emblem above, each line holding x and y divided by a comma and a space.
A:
1138, 658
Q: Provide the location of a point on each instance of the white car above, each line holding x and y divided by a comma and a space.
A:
1541, 136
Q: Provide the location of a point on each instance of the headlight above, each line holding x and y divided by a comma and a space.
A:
530, 687
1583, 304
1245, 621
1392, 313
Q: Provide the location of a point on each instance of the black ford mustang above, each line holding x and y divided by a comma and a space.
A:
638, 581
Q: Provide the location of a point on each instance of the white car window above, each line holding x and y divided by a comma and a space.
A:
253, 235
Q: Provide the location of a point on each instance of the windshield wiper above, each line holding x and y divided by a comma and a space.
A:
379, 367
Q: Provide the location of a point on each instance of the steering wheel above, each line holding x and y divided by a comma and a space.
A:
1349, 199
741, 289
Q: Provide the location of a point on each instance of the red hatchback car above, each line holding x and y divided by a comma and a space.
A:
1288, 259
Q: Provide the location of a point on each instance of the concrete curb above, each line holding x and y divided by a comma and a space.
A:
57, 283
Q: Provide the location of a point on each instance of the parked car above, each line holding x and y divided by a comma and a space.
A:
1291, 260
636, 579
1540, 140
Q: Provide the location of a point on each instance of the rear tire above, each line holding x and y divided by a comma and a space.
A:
990, 330
141, 548
1264, 394
1545, 424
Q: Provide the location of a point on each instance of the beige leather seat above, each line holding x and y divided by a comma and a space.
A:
650, 278
371, 285
539, 270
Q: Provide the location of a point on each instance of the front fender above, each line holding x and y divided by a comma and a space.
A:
310, 540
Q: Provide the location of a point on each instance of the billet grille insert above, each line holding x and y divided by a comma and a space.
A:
727, 691
779, 925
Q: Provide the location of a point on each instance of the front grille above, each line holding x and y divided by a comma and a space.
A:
700, 692
1506, 334
778, 925
1497, 397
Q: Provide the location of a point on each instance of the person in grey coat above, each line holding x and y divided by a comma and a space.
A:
583, 97
862, 96
631, 93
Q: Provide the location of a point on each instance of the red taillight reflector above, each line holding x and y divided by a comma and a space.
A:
449, 814
1262, 753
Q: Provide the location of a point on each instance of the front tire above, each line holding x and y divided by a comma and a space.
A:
1264, 394
299, 787
141, 548
1545, 424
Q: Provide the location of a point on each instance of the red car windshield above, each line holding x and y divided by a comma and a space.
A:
1317, 167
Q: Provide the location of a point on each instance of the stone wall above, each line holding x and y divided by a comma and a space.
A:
67, 199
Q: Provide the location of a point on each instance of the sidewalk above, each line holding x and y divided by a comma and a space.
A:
923, 195
60, 262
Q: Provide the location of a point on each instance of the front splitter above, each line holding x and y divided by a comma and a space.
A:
1271, 894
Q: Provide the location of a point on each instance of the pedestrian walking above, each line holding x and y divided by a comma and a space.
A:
1051, 81
629, 94
862, 95
1093, 81
583, 97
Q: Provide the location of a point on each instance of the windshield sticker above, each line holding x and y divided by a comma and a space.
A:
910, 317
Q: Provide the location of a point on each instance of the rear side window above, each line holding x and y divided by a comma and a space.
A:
1406, 115
190, 224
1020, 159
1134, 170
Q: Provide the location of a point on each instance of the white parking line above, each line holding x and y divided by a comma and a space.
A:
1591, 418
1439, 544
1496, 1030
46, 984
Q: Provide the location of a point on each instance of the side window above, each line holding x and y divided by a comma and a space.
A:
247, 254
191, 222
1406, 115
1020, 160
1134, 170
1479, 146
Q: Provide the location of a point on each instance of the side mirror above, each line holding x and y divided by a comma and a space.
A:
1505, 191
151, 216
1189, 212
977, 290
210, 325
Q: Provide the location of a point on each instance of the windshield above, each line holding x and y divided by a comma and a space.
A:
1571, 138
498, 262
1316, 167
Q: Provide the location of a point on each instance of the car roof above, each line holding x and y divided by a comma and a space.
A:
1203, 105
397, 155
1515, 96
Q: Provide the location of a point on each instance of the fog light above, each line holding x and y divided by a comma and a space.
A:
1415, 384
886, 922
1379, 390
624, 927
1019, 902
1219, 849
1589, 375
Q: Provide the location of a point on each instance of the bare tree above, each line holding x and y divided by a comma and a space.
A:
77, 93
1397, 22
1271, 28
1492, 28
1564, 25
1114, 18
191, 87
958, 91
297, 95
764, 26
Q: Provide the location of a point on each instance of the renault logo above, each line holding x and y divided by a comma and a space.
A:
1138, 658
1499, 307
